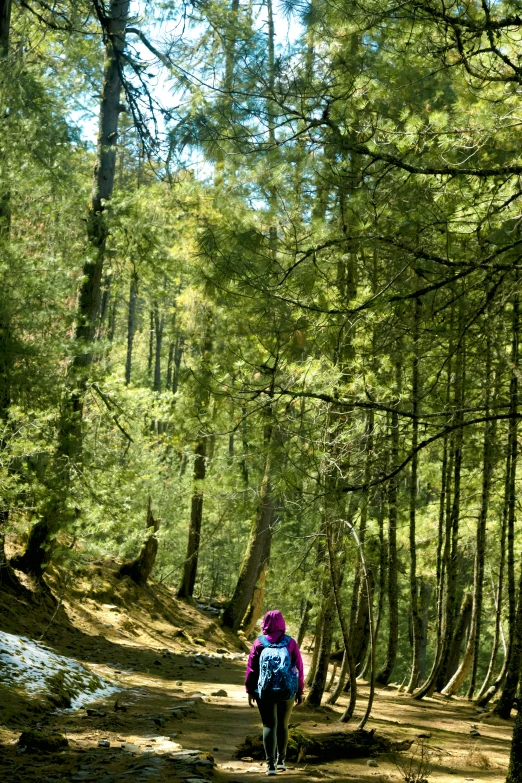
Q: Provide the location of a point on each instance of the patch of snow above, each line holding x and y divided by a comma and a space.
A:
29, 665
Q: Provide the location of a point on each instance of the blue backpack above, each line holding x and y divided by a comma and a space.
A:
278, 678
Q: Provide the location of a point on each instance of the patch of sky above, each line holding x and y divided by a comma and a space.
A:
170, 82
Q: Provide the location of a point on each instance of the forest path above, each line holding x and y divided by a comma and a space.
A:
170, 714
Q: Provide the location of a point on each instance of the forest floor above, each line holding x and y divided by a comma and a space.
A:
168, 659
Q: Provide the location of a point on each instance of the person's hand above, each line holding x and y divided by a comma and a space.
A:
251, 700
299, 699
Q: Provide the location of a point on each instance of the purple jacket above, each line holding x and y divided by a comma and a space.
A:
274, 627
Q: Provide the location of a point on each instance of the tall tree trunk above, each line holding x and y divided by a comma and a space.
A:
460, 634
151, 342
5, 193
504, 705
69, 447
336, 585
360, 633
424, 598
337, 691
178, 355
452, 527
384, 674
318, 684
317, 643
514, 774
364, 518
383, 562
190, 566
158, 332
131, 325
416, 617
7, 576
513, 448
255, 609
514, 662
303, 625
258, 548
498, 617
470, 653
141, 567
170, 364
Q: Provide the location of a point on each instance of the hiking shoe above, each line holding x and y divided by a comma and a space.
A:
281, 765
271, 769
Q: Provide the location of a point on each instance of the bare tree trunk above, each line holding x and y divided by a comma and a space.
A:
416, 617
336, 584
255, 610
484, 692
332, 699
178, 355
424, 597
470, 653
131, 325
190, 566
170, 364
383, 564
158, 332
360, 636
141, 567
257, 551
513, 448
443, 543
514, 774
452, 527
384, 674
318, 684
69, 448
509, 692
151, 342
332, 677
188, 581
7, 577
317, 643
303, 625
460, 634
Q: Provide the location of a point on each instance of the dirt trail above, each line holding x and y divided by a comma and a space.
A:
168, 659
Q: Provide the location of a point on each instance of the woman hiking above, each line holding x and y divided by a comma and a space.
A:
275, 680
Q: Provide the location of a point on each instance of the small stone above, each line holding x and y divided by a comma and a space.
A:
371, 763
215, 749
424, 735
222, 650
247, 758
474, 733
220, 692
179, 682
157, 662
104, 744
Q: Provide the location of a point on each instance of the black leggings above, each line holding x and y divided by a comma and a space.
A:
276, 717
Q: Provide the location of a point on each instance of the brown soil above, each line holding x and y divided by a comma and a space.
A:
142, 638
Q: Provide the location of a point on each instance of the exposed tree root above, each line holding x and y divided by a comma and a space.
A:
336, 745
